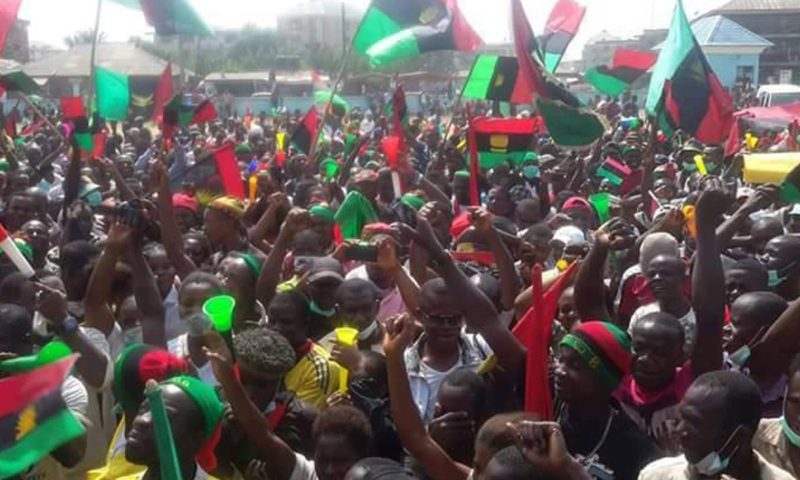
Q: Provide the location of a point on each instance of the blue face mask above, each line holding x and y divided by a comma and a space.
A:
777, 277
792, 436
530, 172
714, 463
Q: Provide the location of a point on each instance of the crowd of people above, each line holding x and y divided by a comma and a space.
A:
672, 353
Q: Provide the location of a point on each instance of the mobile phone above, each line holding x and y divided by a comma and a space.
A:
362, 252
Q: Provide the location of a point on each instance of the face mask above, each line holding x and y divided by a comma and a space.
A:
530, 172
792, 436
714, 463
197, 323
94, 198
367, 332
777, 277
319, 311
133, 336
740, 357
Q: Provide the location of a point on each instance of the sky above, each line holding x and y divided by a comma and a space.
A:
53, 20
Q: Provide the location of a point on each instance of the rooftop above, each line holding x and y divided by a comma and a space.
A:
758, 5
718, 30
125, 58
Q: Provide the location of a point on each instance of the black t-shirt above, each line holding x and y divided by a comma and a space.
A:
625, 451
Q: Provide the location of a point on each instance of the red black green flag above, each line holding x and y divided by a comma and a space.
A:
684, 91
34, 420
496, 78
569, 122
170, 17
393, 30
493, 141
178, 114
628, 66
305, 135
10, 123
561, 27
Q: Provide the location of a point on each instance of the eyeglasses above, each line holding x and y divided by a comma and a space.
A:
444, 319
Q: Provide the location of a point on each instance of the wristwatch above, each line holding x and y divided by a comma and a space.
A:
68, 327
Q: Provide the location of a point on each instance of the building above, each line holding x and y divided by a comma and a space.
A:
67, 73
777, 21
732, 50
327, 24
17, 42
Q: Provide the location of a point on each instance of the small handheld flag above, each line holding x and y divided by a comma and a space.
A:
10, 248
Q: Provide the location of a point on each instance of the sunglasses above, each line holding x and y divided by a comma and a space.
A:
453, 320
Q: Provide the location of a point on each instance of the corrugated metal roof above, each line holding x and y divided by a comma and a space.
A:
125, 58
720, 31
753, 5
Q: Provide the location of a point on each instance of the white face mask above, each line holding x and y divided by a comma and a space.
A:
367, 332
714, 463
133, 336
196, 324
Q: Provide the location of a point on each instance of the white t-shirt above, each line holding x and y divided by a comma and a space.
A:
434, 379
303, 469
688, 322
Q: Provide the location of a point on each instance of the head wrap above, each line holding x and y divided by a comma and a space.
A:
604, 347
136, 365
228, 205
252, 262
569, 235
243, 149
576, 202
182, 200
208, 402
372, 229
321, 210
655, 244
414, 201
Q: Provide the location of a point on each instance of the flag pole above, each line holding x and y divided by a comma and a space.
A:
39, 113
336, 85
459, 97
93, 55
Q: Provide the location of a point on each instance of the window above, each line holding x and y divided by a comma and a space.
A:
744, 73
785, 76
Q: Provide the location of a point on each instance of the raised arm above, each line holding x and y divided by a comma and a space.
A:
125, 192
98, 292
762, 198
269, 447
170, 233
590, 291
708, 281
412, 432
92, 365
72, 179
510, 282
271, 272
478, 311
148, 299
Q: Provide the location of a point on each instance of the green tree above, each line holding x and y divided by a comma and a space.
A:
83, 37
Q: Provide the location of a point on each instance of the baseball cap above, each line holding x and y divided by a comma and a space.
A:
321, 268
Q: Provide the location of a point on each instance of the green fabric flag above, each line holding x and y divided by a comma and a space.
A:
602, 205
393, 30
167, 454
113, 94
339, 105
570, 126
354, 213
